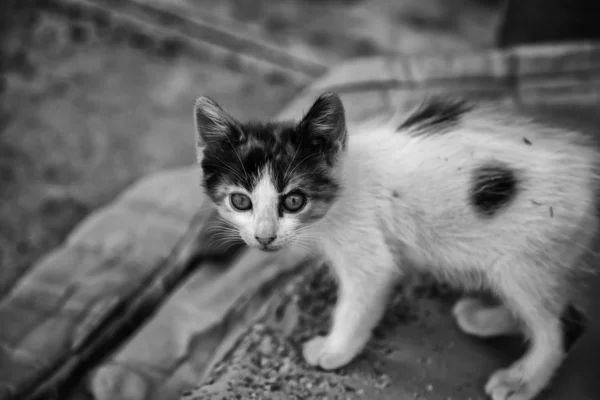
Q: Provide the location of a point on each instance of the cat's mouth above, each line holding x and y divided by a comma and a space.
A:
270, 249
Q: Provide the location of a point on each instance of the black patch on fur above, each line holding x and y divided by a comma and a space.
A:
301, 153
283, 147
573, 325
494, 186
435, 116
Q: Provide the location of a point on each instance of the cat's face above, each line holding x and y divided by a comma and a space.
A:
271, 181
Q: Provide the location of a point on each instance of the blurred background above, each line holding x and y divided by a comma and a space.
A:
95, 94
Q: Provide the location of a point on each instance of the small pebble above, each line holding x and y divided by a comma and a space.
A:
266, 346
383, 381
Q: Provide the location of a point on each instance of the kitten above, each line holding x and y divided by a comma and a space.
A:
481, 197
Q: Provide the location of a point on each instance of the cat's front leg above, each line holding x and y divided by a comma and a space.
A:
365, 278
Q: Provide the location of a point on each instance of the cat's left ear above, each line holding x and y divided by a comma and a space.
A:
325, 122
212, 123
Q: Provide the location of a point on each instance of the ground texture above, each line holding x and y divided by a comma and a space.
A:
267, 363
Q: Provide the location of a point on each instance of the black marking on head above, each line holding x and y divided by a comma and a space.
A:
435, 115
302, 155
494, 186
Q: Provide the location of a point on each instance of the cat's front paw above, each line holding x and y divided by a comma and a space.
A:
510, 384
323, 352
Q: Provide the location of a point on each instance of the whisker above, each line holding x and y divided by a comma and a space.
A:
310, 239
224, 236
230, 242
220, 217
305, 230
238, 157
229, 167
300, 163
285, 175
303, 246
222, 225
221, 233
220, 228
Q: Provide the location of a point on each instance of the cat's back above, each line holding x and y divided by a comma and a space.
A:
456, 143
504, 145
467, 171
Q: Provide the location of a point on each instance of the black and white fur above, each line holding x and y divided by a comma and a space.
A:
482, 197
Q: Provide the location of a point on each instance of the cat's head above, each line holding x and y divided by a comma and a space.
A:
271, 181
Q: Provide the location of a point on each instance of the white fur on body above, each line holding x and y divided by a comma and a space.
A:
406, 204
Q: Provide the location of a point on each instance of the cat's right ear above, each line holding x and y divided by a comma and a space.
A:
212, 123
325, 122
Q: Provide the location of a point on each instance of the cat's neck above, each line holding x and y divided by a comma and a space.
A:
359, 177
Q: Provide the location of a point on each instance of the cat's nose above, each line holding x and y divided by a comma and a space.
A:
265, 240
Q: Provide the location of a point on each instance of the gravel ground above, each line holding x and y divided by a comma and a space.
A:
267, 362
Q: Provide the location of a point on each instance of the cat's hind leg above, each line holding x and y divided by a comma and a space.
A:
533, 293
476, 317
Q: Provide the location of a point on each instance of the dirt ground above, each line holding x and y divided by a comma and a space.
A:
417, 352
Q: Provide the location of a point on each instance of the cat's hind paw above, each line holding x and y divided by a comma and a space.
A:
321, 351
510, 384
479, 319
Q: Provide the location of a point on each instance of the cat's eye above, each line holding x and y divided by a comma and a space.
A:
240, 202
294, 202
